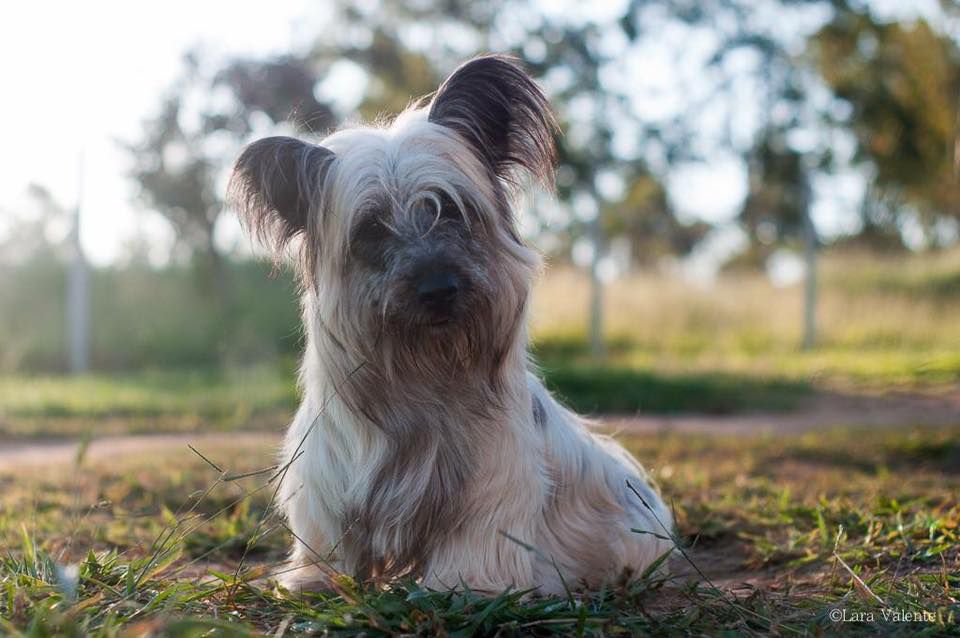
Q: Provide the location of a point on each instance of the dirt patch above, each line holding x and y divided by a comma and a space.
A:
827, 410
823, 411
26, 454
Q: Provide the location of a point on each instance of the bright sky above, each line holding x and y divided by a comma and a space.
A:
80, 75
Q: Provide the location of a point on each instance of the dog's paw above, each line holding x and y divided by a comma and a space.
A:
308, 578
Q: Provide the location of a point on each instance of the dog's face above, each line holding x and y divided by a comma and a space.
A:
405, 235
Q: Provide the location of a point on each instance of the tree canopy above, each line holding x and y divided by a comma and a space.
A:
765, 75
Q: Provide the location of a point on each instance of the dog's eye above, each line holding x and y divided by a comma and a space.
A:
368, 242
370, 230
449, 211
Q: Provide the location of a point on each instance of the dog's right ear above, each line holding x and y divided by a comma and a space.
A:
276, 183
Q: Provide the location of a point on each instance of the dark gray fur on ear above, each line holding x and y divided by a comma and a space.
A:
275, 184
502, 113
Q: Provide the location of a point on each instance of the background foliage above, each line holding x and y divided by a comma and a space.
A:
795, 90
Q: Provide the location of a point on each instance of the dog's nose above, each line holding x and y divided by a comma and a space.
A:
438, 290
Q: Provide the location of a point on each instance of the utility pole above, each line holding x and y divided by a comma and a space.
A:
78, 290
809, 281
598, 348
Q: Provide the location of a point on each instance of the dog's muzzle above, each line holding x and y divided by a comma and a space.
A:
438, 289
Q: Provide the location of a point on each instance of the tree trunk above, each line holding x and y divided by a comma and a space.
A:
810, 284
598, 348
78, 294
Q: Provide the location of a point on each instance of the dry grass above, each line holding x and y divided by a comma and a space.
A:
791, 528
904, 301
166, 545
881, 321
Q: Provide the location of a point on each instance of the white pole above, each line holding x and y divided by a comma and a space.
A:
78, 291
810, 283
597, 347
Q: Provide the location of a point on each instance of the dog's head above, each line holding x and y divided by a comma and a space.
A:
405, 234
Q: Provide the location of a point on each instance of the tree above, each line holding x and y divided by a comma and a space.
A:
177, 179
35, 253
645, 218
901, 82
775, 210
39, 237
187, 146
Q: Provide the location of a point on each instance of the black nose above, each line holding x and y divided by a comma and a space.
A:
438, 290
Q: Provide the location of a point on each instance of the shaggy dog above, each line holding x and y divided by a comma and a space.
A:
424, 445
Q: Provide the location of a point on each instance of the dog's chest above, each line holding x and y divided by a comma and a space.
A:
412, 502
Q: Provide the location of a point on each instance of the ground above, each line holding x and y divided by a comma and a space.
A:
816, 492
785, 528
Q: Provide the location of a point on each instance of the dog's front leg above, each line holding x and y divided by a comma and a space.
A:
307, 500
311, 566
485, 561
492, 550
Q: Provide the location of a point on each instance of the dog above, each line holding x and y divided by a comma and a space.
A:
425, 446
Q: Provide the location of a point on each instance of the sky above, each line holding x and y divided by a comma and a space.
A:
80, 77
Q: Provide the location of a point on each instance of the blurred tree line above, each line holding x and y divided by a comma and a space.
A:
141, 316
892, 86
811, 72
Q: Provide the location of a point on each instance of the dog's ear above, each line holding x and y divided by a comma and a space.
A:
275, 184
504, 116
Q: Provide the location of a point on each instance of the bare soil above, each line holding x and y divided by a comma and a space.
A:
37, 453
723, 566
826, 410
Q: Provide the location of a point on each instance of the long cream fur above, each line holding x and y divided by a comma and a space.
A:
436, 453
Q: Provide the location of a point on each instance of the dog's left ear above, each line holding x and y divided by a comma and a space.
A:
502, 113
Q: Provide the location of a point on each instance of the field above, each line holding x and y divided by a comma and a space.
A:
884, 322
887, 327
785, 530
783, 522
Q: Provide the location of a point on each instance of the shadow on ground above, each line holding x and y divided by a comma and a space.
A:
590, 389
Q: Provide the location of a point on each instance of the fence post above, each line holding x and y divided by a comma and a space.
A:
809, 283
597, 346
78, 291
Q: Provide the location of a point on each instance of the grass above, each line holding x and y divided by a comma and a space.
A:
264, 397
888, 302
592, 388
258, 397
883, 322
167, 545
787, 529
886, 324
